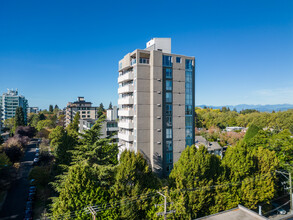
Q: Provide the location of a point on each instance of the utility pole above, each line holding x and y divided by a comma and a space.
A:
93, 212
291, 201
165, 213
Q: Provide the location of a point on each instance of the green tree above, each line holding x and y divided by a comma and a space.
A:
48, 124
42, 116
19, 117
251, 132
101, 110
80, 186
110, 106
74, 125
51, 108
134, 179
94, 149
56, 107
194, 169
62, 143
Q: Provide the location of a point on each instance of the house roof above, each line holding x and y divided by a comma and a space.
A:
240, 213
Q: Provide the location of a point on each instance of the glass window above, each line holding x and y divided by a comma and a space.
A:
168, 73
169, 157
188, 142
188, 110
168, 85
169, 145
169, 121
169, 133
188, 132
178, 59
188, 121
188, 64
167, 60
168, 96
168, 109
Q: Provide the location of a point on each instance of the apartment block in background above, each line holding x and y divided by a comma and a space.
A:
110, 125
10, 101
156, 103
33, 110
85, 109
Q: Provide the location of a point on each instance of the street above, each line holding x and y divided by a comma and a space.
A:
14, 205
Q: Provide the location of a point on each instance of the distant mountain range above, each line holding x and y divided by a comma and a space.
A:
261, 108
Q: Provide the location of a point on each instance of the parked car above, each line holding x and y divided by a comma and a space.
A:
28, 215
29, 206
37, 155
32, 189
36, 161
32, 182
37, 150
31, 196
280, 211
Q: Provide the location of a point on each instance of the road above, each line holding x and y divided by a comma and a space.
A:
14, 205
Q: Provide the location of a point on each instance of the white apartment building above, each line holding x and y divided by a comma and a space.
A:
156, 103
10, 101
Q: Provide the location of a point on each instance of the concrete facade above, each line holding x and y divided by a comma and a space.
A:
151, 81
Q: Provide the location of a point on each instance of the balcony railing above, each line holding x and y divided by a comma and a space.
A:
125, 124
125, 77
126, 112
125, 89
126, 100
125, 137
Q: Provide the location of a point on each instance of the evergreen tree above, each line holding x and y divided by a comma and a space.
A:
195, 169
56, 107
42, 117
110, 106
74, 125
80, 186
101, 110
94, 149
51, 108
134, 179
19, 117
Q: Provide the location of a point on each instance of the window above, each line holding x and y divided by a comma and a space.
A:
168, 109
169, 133
188, 132
120, 65
167, 61
168, 73
168, 85
169, 145
188, 121
83, 116
144, 60
169, 121
83, 112
188, 142
188, 110
88, 112
168, 96
169, 157
178, 59
188, 64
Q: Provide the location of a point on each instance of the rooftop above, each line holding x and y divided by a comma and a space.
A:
239, 213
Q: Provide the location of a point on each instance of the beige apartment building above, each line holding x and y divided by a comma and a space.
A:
85, 109
156, 103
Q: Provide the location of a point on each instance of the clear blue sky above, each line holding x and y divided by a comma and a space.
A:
54, 51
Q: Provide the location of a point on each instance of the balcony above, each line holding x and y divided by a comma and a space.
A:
125, 137
125, 89
125, 77
126, 101
125, 124
126, 112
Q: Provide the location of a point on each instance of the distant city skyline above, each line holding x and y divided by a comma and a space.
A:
53, 52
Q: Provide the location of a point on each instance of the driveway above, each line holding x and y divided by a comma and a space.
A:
14, 205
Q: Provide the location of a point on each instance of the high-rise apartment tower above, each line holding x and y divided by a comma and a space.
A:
156, 103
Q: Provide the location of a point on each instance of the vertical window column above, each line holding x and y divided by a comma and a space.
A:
189, 108
167, 114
